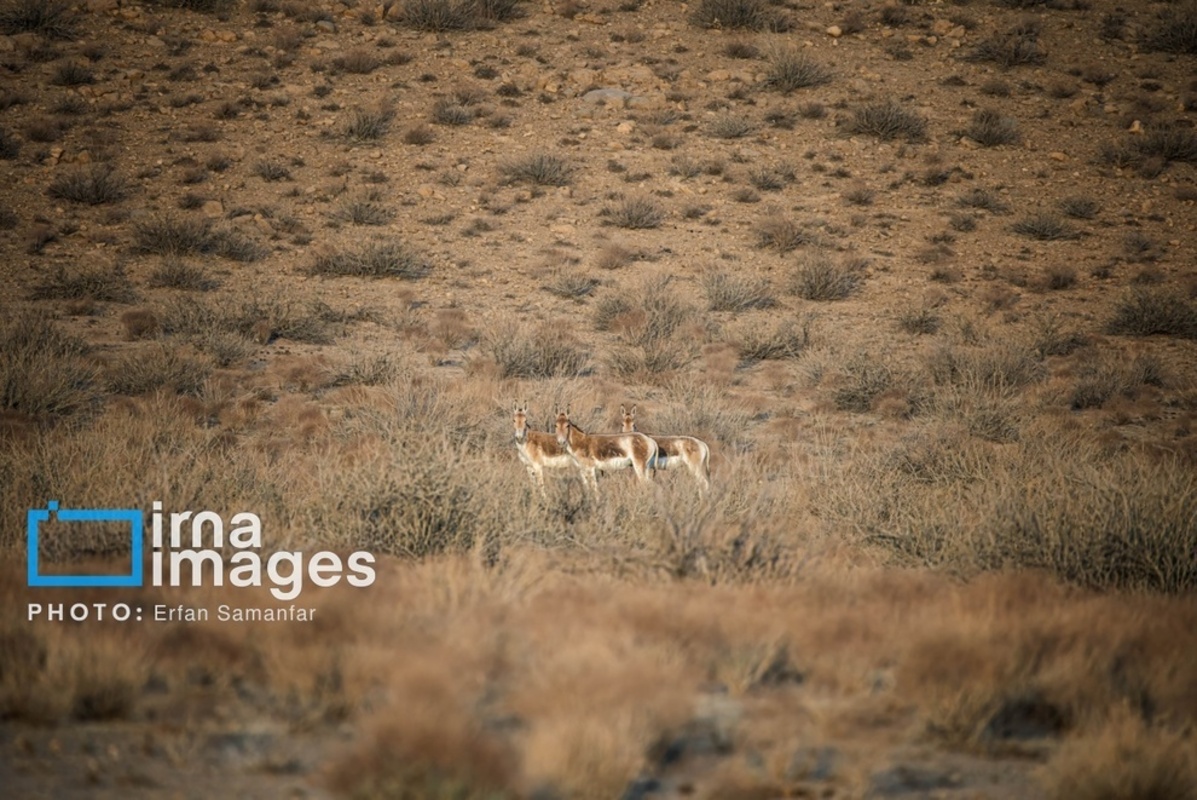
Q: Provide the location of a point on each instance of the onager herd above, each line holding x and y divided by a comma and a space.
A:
572, 448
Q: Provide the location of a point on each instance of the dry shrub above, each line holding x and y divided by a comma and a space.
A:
789, 70
819, 277
380, 259
753, 15
51, 676
783, 340
93, 185
546, 352
158, 368
1154, 311
1120, 521
541, 169
1126, 758
995, 366
104, 284
44, 372
888, 121
168, 235
634, 213
783, 234
1113, 377
728, 291
432, 752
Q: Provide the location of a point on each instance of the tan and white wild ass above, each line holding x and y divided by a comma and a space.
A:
605, 451
676, 451
538, 450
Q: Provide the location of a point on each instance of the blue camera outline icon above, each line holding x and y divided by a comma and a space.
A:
36, 516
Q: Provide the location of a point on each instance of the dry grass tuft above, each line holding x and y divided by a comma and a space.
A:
382, 259
103, 284
545, 352
542, 169
753, 15
44, 372
789, 69
93, 185
1126, 758
1154, 311
819, 277
634, 213
728, 291
888, 121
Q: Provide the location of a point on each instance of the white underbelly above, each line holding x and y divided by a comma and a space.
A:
609, 464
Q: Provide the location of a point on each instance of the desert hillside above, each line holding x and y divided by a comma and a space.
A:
920, 274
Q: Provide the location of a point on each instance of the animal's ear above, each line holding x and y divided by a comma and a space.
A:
623, 412
633, 411
567, 409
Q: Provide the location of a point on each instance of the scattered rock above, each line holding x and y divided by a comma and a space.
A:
1057, 156
327, 26
835, 31
213, 209
627, 126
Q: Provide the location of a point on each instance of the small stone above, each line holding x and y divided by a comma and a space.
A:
212, 209
627, 126
835, 31
1057, 156
425, 190
226, 36
1136, 127
328, 26
718, 75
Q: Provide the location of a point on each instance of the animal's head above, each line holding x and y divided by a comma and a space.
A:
628, 418
519, 416
563, 426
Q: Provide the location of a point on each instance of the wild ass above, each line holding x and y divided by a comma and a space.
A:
676, 451
605, 451
538, 450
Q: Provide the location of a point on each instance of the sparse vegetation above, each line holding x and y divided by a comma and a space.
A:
103, 284
371, 124
818, 277
1079, 207
634, 213
789, 70
1154, 311
888, 121
94, 185
175, 273
731, 126
783, 234
727, 291
1015, 48
543, 352
542, 169
382, 259
990, 129
753, 15
1045, 228
986, 443
44, 371
169, 235
53, 19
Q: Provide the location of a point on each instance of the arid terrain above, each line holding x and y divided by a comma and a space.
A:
921, 274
